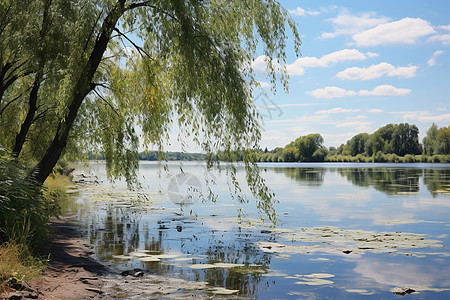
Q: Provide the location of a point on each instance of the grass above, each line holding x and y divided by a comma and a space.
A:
25, 210
17, 266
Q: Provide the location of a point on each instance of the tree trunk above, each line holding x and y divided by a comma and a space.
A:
32, 108
82, 87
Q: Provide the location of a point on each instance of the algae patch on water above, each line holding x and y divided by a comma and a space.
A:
335, 240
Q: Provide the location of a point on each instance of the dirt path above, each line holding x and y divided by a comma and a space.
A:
70, 274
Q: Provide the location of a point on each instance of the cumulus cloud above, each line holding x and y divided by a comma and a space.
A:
330, 92
445, 27
385, 90
337, 92
337, 110
443, 38
423, 116
404, 31
375, 110
300, 11
299, 65
377, 71
347, 24
354, 124
259, 64
432, 61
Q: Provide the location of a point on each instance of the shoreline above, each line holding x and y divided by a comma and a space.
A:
70, 273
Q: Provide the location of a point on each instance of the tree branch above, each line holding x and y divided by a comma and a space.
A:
106, 101
139, 49
92, 31
40, 115
147, 4
7, 104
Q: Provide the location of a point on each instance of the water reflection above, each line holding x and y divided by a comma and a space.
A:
119, 229
406, 273
308, 176
208, 248
386, 180
389, 180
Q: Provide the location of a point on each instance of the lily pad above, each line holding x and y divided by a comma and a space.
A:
223, 291
316, 275
314, 281
202, 266
149, 259
359, 291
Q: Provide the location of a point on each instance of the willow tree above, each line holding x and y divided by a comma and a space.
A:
130, 63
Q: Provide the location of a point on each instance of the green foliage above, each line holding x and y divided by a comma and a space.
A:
307, 145
399, 139
77, 89
443, 140
357, 144
320, 154
290, 154
24, 210
437, 140
429, 142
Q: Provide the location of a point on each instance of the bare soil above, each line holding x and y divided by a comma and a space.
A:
71, 273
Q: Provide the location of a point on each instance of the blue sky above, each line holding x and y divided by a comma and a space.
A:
364, 64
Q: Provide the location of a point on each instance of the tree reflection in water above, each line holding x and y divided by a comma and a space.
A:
116, 230
308, 176
387, 180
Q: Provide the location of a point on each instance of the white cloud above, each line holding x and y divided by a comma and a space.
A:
330, 92
385, 90
337, 110
320, 119
376, 71
432, 61
371, 54
337, 92
286, 105
375, 110
423, 116
354, 124
445, 27
259, 64
297, 67
342, 55
300, 11
347, 24
443, 38
404, 31
357, 123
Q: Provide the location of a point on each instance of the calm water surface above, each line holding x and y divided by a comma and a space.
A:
344, 231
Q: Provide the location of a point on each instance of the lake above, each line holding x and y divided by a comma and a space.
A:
344, 231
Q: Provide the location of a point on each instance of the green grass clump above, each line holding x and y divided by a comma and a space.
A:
17, 266
25, 210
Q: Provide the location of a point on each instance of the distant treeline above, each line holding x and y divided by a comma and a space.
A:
390, 143
156, 155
